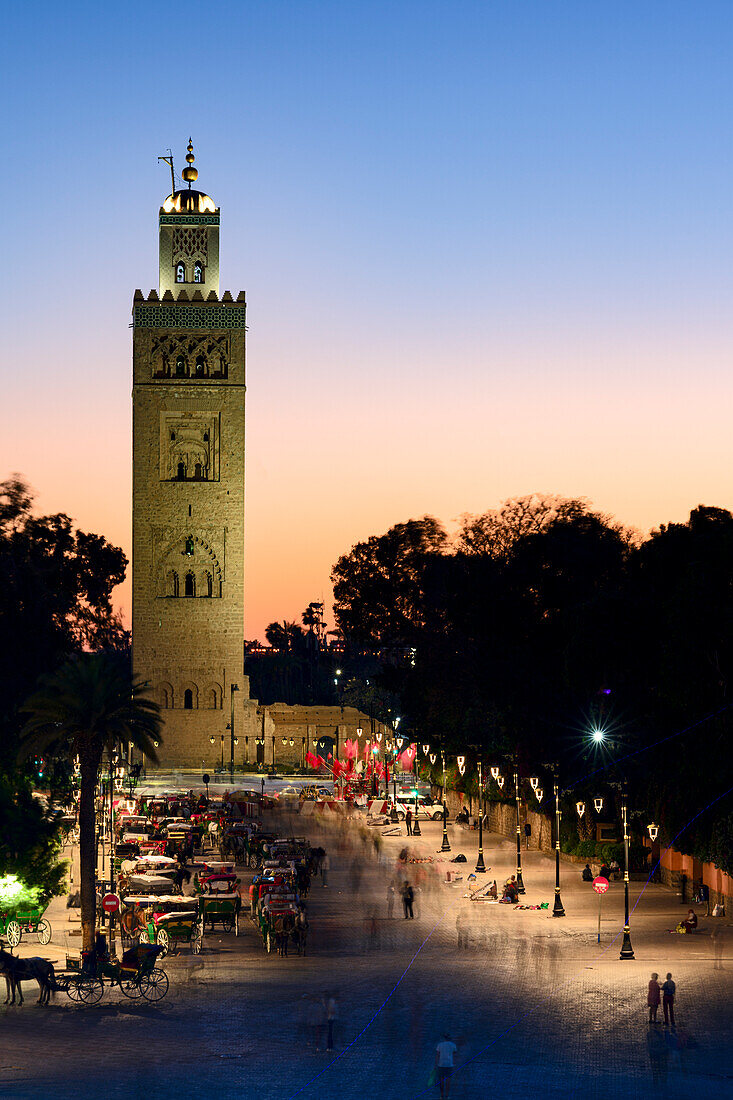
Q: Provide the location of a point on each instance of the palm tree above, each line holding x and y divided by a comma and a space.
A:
89, 704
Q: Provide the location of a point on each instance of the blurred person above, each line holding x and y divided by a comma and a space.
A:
445, 1053
669, 990
653, 998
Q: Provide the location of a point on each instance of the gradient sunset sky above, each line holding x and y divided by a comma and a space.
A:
487, 250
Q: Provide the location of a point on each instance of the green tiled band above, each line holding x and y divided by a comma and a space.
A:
150, 315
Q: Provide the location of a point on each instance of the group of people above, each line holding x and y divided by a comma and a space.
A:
608, 871
665, 994
321, 1017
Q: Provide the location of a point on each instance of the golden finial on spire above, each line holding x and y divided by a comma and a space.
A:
190, 174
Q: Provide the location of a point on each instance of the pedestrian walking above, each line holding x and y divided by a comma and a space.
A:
408, 821
669, 990
718, 937
390, 899
332, 1015
445, 1053
316, 1018
325, 868
408, 896
653, 998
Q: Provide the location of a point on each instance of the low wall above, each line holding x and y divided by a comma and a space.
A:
685, 873
682, 873
502, 818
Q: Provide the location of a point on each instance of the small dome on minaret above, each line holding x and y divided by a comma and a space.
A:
189, 201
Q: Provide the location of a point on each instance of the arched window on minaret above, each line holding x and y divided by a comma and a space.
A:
200, 366
181, 472
190, 589
172, 584
198, 272
181, 273
208, 585
188, 699
180, 366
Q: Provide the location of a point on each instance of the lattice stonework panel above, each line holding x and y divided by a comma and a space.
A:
202, 356
189, 243
149, 315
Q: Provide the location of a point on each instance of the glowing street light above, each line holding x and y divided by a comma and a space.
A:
500, 781
494, 773
653, 831
534, 782
461, 764
539, 793
598, 735
598, 803
580, 807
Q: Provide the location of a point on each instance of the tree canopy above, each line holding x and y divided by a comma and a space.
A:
545, 618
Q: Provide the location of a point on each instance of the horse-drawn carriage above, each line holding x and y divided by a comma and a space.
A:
135, 974
21, 921
168, 922
280, 919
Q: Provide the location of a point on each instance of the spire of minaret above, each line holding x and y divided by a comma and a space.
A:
190, 174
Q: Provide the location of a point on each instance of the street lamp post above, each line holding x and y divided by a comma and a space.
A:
416, 830
234, 687
480, 865
557, 909
627, 951
520, 881
445, 846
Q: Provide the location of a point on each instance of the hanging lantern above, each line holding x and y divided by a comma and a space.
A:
653, 831
580, 807
598, 803
432, 757
534, 782
495, 773
359, 731
500, 781
425, 750
540, 794
379, 738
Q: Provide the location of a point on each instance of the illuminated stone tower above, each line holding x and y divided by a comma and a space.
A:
188, 487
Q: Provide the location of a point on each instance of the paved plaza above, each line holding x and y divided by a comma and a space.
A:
537, 1007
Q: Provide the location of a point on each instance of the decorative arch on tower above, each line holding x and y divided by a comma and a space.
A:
165, 695
189, 695
189, 556
213, 696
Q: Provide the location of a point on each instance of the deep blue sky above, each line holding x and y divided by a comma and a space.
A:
486, 246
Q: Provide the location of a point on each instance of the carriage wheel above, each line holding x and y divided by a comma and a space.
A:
163, 940
44, 931
13, 932
154, 985
131, 988
72, 990
90, 991
197, 942
144, 939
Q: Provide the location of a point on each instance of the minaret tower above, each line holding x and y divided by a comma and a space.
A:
188, 485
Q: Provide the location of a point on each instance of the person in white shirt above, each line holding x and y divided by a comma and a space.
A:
445, 1052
